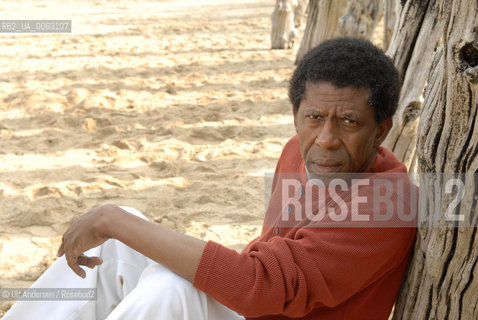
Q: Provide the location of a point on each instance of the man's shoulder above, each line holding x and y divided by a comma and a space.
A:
290, 160
387, 162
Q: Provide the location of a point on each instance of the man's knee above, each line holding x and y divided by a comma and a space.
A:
171, 289
161, 277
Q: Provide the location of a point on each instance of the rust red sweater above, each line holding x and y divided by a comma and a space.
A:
310, 273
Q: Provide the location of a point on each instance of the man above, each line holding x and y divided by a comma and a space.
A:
344, 93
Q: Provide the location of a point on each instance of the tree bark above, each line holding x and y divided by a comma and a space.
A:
300, 11
286, 19
322, 23
283, 32
390, 13
418, 34
441, 281
360, 19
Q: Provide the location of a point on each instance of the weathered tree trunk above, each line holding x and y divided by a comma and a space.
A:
413, 46
360, 19
300, 11
390, 12
322, 23
283, 32
286, 18
442, 278
363, 16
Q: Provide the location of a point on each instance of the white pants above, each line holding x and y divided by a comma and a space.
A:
129, 286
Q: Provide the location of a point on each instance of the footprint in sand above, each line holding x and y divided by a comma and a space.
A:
229, 132
122, 145
91, 124
51, 142
45, 191
205, 136
76, 96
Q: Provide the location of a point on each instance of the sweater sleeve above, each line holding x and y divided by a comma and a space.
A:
318, 267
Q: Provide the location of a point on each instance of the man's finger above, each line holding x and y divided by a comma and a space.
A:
81, 273
89, 262
73, 264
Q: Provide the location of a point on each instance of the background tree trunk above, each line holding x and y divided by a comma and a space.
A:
356, 18
286, 18
283, 32
441, 281
360, 19
390, 16
322, 23
300, 12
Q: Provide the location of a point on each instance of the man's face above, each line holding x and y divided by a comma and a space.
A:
337, 129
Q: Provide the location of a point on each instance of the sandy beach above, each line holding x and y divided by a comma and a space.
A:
175, 108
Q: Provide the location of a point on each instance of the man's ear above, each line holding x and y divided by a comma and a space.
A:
383, 130
294, 112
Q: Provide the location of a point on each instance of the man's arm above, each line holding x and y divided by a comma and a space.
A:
178, 252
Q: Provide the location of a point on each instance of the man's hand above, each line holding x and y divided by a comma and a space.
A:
84, 233
178, 252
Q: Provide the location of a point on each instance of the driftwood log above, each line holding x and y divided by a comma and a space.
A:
442, 277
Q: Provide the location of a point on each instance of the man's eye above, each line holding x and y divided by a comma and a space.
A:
349, 122
313, 116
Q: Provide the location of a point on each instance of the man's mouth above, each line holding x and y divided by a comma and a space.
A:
325, 166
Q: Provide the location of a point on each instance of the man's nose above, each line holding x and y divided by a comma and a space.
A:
328, 136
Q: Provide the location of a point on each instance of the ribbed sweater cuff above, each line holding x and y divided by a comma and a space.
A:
205, 263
